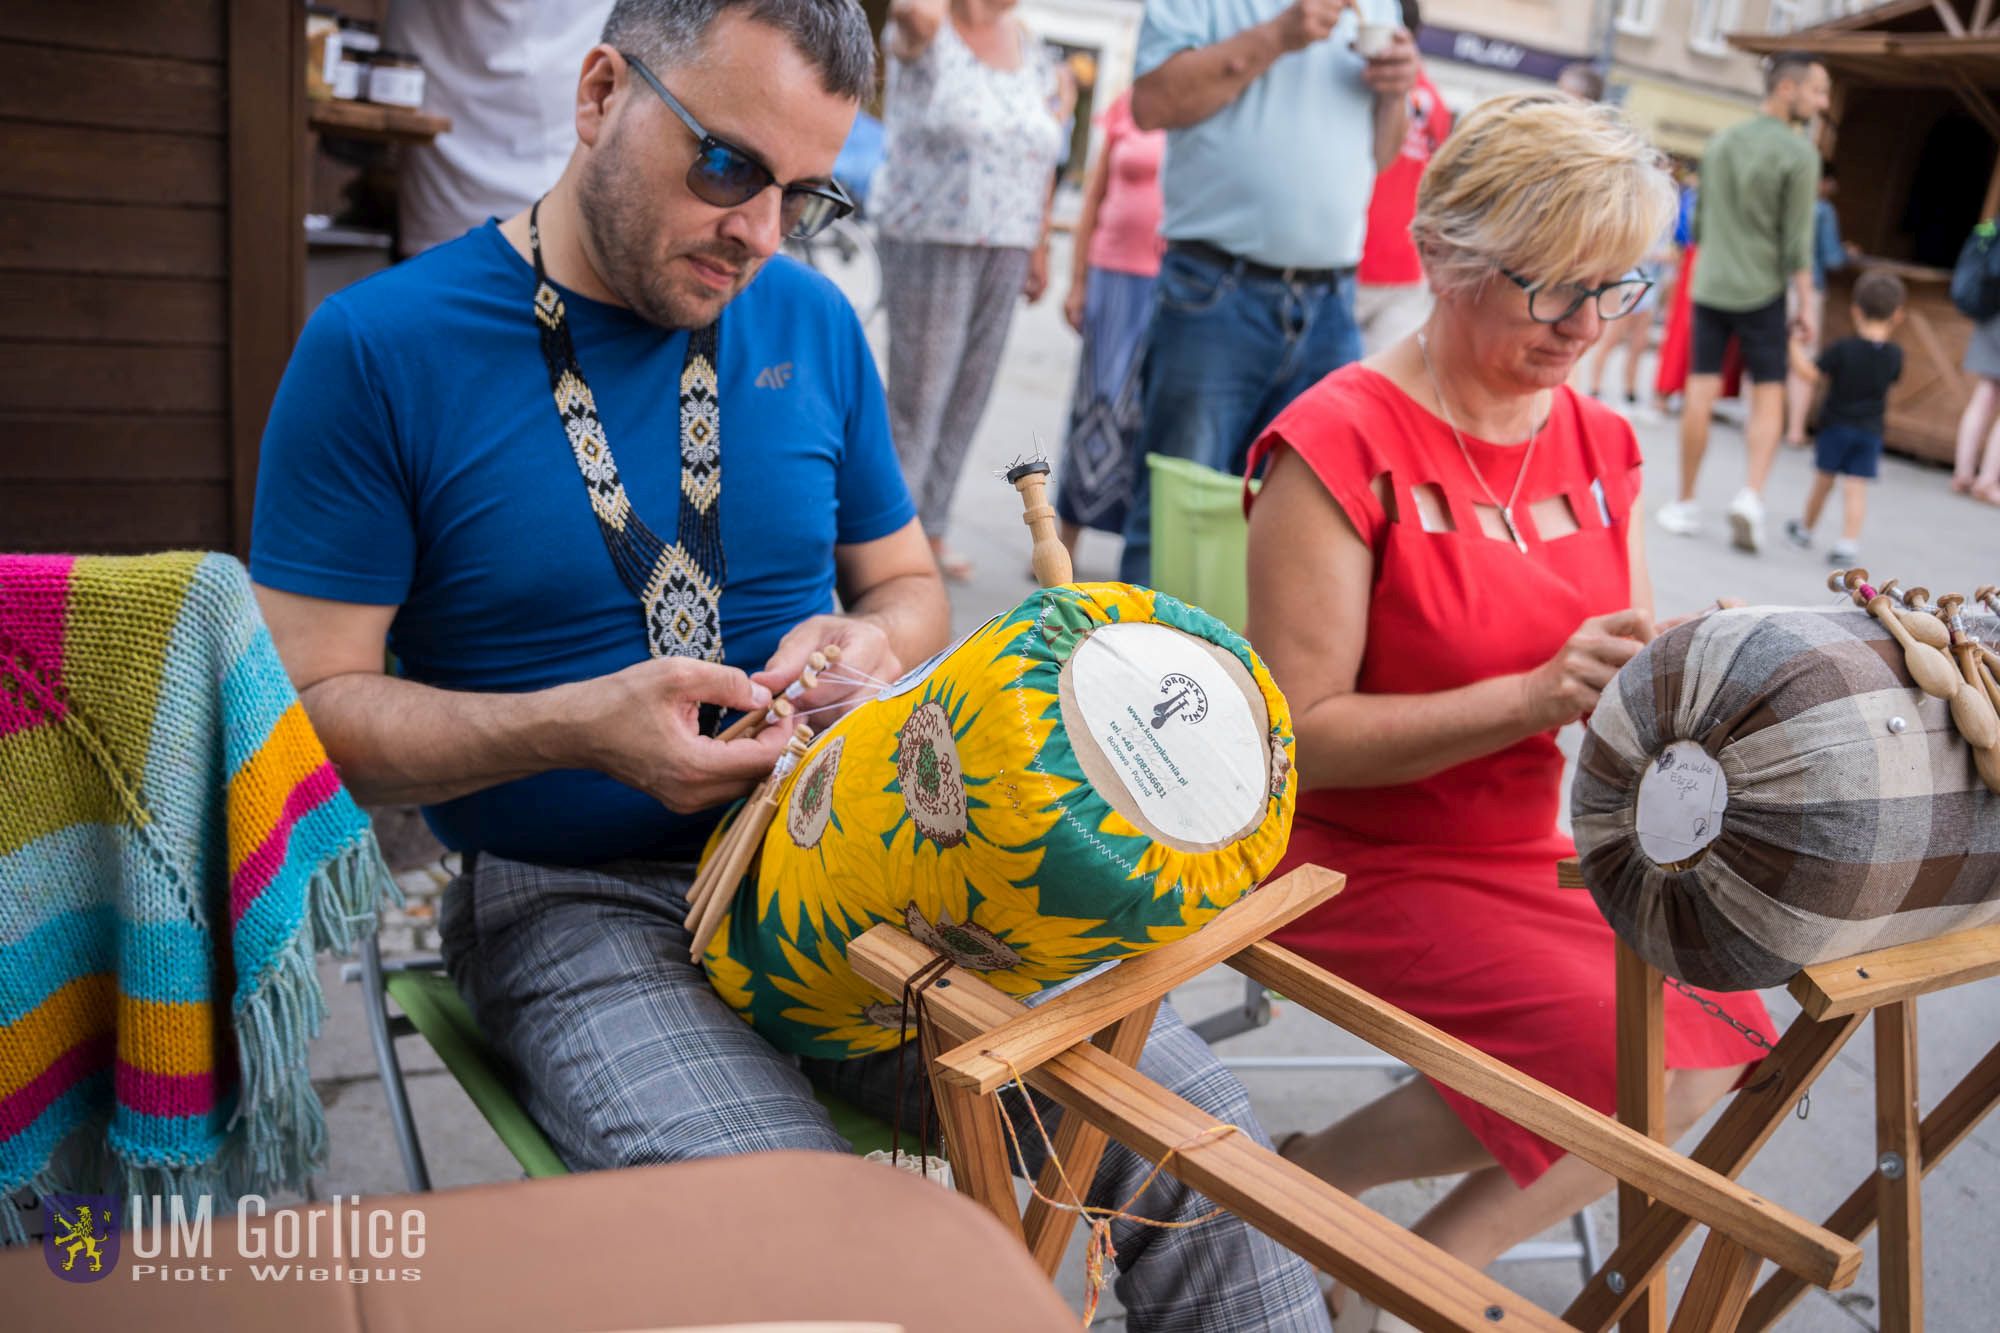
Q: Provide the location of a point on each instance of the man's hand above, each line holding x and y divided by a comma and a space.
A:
864, 651
641, 726
1803, 326
1394, 72
1309, 21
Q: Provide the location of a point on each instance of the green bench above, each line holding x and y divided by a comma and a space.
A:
431, 1007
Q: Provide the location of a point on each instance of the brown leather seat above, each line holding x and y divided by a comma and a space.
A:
777, 1236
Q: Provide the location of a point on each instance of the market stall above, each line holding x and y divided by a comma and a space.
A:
1914, 136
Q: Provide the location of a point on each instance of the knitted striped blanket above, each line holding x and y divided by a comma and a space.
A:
175, 847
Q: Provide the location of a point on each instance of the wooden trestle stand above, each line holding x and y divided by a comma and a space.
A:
1081, 1048
1835, 997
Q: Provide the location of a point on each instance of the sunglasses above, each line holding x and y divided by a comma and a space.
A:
726, 176
1552, 303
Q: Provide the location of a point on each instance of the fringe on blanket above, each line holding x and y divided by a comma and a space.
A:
276, 1137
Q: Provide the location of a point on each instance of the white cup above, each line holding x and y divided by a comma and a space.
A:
1374, 39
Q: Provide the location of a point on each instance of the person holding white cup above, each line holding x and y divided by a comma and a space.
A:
1277, 124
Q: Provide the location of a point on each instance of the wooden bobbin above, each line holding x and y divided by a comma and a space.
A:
1916, 615
1049, 558
1972, 711
1988, 596
1929, 668
739, 845
781, 708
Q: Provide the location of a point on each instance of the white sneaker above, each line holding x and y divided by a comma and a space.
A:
1681, 518
1746, 521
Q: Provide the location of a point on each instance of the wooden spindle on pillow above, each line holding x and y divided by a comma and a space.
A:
1049, 558
1972, 709
1917, 615
1928, 667
732, 858
783, 706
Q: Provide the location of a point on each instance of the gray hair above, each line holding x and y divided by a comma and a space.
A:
832, 34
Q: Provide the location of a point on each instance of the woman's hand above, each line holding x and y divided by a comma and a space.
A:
1073, 303
1037, 280
1719, 604
916, 24
1567, 686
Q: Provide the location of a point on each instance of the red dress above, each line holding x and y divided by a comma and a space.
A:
1451, 908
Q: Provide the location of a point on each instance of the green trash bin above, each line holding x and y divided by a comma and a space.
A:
1200, 537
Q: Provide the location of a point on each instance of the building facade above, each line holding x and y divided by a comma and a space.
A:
1669, 62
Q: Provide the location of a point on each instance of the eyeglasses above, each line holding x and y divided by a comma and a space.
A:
724, 175
1552, 303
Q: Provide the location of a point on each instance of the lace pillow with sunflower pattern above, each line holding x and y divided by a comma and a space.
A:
1098, 771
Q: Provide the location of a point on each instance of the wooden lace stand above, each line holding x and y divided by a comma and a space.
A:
1081, 1049
1835, 997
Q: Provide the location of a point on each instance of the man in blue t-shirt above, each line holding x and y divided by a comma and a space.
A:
584, 515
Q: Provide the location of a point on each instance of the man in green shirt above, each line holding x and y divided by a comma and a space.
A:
1753, 225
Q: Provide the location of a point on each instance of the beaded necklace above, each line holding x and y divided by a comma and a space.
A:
679, 585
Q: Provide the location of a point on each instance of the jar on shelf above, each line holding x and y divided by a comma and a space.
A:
322, 51
359, 40
396, 79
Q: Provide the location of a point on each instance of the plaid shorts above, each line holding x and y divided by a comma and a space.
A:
624, 1055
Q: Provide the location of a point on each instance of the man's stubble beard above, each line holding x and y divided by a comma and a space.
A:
619, 232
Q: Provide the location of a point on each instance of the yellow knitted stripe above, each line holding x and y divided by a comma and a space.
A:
155, 1036
166, 1036
258, 791
121, 616
67, 787
75, 1011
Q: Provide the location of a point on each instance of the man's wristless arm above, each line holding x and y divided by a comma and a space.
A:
399, 742
1193, 85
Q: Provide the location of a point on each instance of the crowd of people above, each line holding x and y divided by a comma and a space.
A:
1290, 261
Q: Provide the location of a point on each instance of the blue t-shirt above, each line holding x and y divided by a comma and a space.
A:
1283, 174
414, 457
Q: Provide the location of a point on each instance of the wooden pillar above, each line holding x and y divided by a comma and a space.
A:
1718, 1288
1642, 1097
1079, 1149
267, 208
1899, 1169
978, 1145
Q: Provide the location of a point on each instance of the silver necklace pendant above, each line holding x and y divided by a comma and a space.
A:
1520, 475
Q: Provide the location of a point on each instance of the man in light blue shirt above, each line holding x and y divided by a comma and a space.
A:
1277, 125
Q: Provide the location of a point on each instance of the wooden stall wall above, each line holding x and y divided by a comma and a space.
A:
149, 265
1912, 168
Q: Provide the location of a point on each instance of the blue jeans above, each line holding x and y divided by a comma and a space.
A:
1228, 351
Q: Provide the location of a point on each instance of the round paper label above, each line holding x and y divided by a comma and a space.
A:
1682, 797
1176, 728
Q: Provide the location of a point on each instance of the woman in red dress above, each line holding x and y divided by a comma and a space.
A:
1445, 569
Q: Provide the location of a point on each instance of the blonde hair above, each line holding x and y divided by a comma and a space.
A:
1553, 188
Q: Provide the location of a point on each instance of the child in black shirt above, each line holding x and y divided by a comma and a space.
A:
1858, 371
